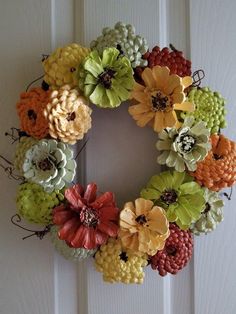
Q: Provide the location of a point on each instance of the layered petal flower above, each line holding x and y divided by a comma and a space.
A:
123, 37
118, 264
212, 214
61, 65
185, 146
87, 220
36, 205
68, 115
160, 98
50, 164
143, 227
30, 111
106, 80
176, 192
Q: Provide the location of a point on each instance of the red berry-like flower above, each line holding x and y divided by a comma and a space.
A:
176, 253
87, 220
173, 59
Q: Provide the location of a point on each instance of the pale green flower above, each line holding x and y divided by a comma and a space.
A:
185, 146
212, 214
176, 192
123, 36
50, 164
70, 253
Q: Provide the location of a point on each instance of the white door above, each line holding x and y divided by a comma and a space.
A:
119, 156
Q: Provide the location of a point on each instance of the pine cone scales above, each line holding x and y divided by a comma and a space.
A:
176, 253
218, 169
60, 66
68, 115
24, 144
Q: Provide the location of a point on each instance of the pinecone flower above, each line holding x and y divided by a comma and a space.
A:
87, 220
60, 66
159, 98
184, 146
106, 80
123, 37
143, 227
118, 264
209, 107
176, 192
176, 253
218, 169
50, 164
30, 111
68, 115
211, 216
22, 146
66, 251
35, 205
174, 60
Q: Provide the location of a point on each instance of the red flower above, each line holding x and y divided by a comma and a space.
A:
86, 221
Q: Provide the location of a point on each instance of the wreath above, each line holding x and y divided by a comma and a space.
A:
157, 228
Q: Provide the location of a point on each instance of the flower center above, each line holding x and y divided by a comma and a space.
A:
123, 256
169, 196
171, 250
32, 114
105, 78
207, 208
141, 219
45, 164
160, 102
89, 217
71, 116
186, 142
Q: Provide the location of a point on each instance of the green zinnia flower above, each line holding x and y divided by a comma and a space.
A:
123, 36
209, 107
212, 214
70, 253
35, 205
176, 192
50, 164
185, 146
106, 80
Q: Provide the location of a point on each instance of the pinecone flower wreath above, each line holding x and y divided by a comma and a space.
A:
156, 228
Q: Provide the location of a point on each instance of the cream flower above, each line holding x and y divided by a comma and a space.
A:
68, 115
158, 100
143, 227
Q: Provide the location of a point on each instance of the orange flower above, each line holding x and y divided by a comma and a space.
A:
159, 98
30, 110
143, 227
218, 169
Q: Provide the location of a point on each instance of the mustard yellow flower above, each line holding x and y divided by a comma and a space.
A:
143, 227
160, 97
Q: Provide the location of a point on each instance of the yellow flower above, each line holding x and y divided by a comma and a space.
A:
143, 227
159, 98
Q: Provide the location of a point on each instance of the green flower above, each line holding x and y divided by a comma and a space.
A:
24, 144
209, 107
50, 164
68, 252
35, 205
212, 214
106, 80
176, 192
123, 36
185, 146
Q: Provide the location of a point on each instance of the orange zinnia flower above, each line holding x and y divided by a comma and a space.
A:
159, 98
30, 110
